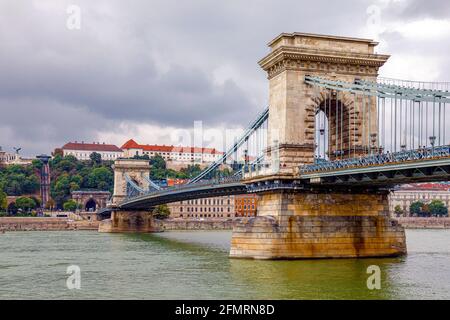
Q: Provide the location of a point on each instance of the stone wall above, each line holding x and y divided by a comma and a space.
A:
171, 224
44, 224
128, 221
424, 223
33, 224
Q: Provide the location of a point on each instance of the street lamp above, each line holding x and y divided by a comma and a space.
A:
432, 142
373, 140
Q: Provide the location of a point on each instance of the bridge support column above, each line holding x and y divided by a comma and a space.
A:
128, 221
318, 225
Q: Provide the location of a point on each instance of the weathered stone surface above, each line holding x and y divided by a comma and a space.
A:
128, 221
294, 103
185, 224
302, 225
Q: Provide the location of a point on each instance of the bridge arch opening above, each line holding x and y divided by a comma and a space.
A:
334, 129
91, 205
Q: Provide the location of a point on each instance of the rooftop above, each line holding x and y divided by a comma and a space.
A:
131, 144
95, 146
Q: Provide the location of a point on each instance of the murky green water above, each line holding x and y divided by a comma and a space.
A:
195, 265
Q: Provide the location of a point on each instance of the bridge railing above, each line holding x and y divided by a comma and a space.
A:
202, 183
377, 159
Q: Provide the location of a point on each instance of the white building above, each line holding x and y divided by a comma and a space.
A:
83, 151
172, 155
7, 158
424, 192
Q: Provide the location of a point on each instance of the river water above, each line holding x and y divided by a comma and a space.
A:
195, 265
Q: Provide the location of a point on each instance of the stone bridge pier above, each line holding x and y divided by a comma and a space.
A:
295, 225
320, 222
124, 220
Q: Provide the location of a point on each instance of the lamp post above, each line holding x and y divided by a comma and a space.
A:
44, 180
373, 140
432, 142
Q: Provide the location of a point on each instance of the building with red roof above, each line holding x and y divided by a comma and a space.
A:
83, 150
173, 155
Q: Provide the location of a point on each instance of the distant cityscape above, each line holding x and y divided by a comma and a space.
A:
175, 157
178, 157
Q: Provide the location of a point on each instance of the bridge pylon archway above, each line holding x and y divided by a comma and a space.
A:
294, 103
137, 170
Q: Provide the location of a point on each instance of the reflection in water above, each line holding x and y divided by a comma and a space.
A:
195, 265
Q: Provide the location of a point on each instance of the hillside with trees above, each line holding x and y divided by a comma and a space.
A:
68, 174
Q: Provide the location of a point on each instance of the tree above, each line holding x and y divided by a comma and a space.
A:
426, 210
192, 170
101, 178
415, 209
438, 208
3, 201
143, 157
70, 205
158, 169
50, 205
96, 158
398, 210
12, 208
161, 212
158, 162
25, 204
18, 180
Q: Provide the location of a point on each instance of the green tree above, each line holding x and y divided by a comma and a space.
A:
70, 205
158, 169
398, 210
438, 208
96, 158
3, 201
143, 157
25, 204
415, 209
101, 178
161, 212
19, 180
12, 208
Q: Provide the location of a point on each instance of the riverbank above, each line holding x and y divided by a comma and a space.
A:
66, 224
424, 223
44, 224
194, 224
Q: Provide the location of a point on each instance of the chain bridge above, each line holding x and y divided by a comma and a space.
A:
322, 157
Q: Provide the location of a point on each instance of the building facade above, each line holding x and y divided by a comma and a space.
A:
246, 205
217, 207
83, 151
7, 158
90, 201
181, 156
424, 192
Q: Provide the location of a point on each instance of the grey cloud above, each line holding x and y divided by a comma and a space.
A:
145, 61
437, 9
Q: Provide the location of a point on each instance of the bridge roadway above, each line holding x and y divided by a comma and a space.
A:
428, 164
186, 192
377, 171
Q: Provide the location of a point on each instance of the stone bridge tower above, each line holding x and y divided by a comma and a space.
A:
293, 103
137, 170
129, 221
297, 221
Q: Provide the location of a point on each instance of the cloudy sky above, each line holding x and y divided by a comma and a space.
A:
145, 69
